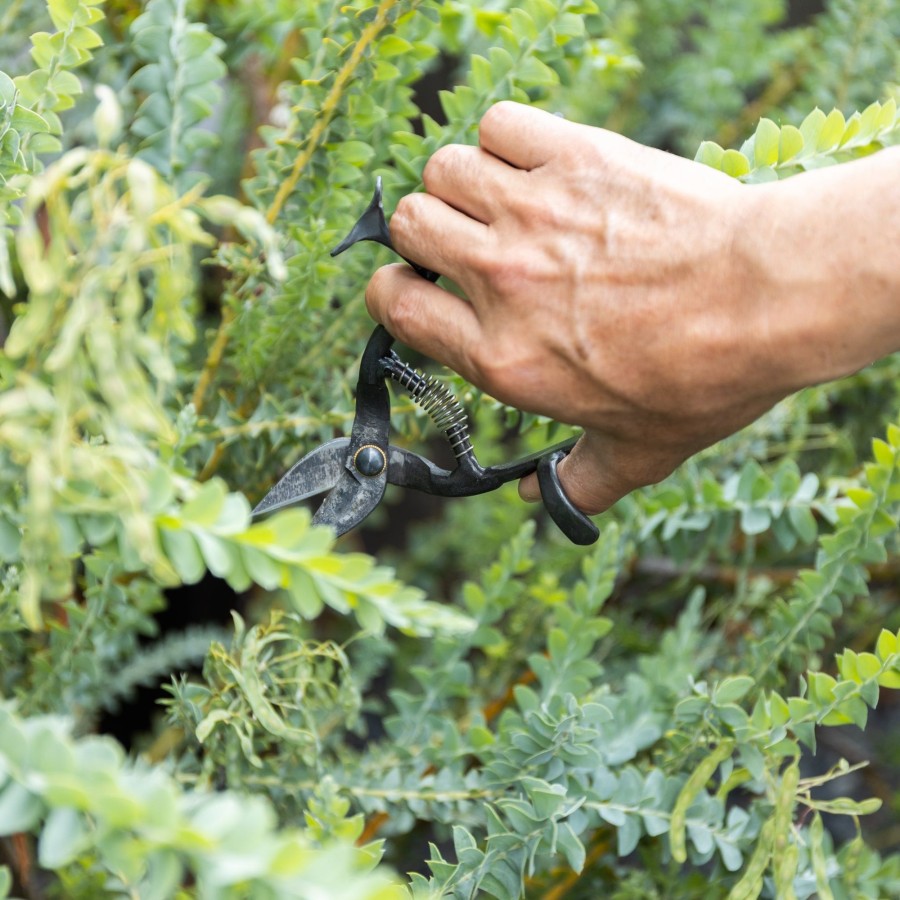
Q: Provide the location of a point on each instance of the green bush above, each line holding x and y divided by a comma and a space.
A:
486, 706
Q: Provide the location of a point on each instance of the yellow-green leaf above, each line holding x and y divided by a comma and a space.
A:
887, 644
790, 143
831, 132
735, 164
710, 154
766, 143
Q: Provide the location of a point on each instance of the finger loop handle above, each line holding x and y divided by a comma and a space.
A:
573, 523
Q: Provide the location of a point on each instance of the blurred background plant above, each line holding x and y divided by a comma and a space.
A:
453, 691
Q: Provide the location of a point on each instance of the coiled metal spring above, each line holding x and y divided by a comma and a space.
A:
435, 399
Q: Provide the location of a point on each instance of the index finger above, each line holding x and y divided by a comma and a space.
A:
521, 135
425, 317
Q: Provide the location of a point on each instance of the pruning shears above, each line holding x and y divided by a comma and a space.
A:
355, 470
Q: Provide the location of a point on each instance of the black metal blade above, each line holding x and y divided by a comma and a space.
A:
318, 471
371, 225
352, 499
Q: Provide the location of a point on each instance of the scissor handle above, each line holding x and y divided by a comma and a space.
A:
573, 523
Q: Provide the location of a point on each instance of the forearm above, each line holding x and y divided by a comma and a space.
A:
825, 247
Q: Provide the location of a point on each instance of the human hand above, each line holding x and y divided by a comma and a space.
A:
608, 285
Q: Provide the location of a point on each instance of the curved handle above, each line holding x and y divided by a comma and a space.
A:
573, 523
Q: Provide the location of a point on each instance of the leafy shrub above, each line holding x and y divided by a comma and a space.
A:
637, 720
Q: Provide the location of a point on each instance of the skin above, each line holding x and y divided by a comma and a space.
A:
656, 303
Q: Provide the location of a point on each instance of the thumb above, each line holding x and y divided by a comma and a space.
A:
587, 474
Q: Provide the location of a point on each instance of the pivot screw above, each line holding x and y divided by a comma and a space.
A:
370, 460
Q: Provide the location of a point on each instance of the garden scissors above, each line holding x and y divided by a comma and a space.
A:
355, 470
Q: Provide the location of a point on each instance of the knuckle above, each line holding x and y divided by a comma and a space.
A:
498, 372
404, 211
495, 116
406, 214
439, 164
377, 290
400, 314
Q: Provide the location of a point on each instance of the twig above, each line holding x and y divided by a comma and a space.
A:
213, 359
373, 826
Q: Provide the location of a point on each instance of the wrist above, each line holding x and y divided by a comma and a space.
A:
818, 250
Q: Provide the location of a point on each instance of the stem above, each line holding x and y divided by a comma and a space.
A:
213, 359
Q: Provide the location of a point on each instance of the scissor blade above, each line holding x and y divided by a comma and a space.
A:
317, 472
352, 499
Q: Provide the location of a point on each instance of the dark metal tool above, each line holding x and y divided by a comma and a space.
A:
355, 470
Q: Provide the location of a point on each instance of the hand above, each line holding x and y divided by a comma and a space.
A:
607, 285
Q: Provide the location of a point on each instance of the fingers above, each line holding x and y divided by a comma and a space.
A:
600, 471
523, 136
471, 180
431, 233
585, 479
425, 317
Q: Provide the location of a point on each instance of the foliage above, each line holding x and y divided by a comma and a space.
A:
821, 140
95, 807
643, 719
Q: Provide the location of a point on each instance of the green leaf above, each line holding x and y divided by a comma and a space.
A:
182, 551
63, 837
219, 555
385, 71
790, 143
393, 45
887, 644
7, 89
571, 847
10, 541
766, 143
831, 132
887, 116
735, 163
710, 154
263, 569
535, 73
755, 519
28, 122
810, 129
205, 507
803, 522
732, 689
355, 153
867, 665
20, 810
